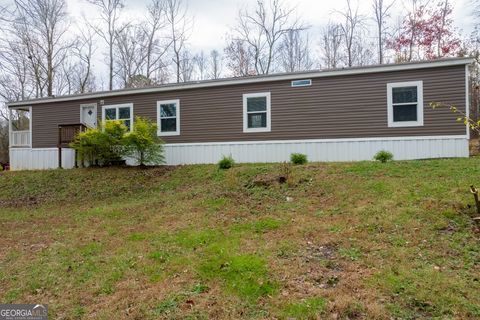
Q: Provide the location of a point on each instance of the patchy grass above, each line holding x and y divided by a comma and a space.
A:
343, 241
309, 309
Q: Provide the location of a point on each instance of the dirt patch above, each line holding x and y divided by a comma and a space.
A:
474, 147
157, 170
320, 252
22, 202
266, 180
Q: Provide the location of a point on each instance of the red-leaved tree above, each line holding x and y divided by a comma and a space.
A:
427, 32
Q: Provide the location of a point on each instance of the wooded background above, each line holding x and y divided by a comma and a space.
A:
45, 52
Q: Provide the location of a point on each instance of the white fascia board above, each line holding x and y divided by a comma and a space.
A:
256, 79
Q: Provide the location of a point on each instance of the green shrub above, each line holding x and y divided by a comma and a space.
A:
226, 162
298, 158
111, 142
103, 145
383, 156
143, 143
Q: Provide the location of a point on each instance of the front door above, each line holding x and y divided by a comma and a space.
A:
88, 115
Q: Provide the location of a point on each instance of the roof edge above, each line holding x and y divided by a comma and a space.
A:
255, 79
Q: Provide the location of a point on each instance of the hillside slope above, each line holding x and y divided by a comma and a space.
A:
342, 241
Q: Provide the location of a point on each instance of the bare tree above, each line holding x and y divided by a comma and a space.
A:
139, 51
476, 10
155, 49
180, 25
215, 64
109, 14
295, 52
381, 10
83, 52
262, 29
128, 51
187, 66
42, 25
240, 58
3, 136
350, 27
134, 63
363, 52
330, 44
16, 81
200, 61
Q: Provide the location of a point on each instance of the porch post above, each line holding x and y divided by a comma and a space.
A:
59, 147
9, 127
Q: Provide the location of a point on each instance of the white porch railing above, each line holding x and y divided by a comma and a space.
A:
20, 138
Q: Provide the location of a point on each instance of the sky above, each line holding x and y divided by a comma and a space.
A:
213, 18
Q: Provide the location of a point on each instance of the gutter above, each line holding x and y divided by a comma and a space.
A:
253, 79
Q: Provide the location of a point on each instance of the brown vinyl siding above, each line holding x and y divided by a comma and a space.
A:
347, 106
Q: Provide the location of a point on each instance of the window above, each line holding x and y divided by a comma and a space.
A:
168, 117
405, 104
302, 83
20, 127
256, 112
122, 112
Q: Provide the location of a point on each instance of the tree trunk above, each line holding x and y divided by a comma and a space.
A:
110, 82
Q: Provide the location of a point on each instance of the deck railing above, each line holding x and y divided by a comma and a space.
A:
20, 138
66, 135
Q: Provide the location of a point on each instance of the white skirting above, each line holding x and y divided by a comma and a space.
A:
40, 158
403, 148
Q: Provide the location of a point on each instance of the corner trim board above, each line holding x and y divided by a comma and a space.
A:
467, 99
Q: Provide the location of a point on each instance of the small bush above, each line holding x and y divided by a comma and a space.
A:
298, 158
226, 162
383, 156
104, 145
143, 143
112, 141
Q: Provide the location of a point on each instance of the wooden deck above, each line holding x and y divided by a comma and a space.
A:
66, 135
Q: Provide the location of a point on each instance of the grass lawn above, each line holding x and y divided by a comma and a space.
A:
336, 241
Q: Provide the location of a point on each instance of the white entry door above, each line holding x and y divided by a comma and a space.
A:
88, 115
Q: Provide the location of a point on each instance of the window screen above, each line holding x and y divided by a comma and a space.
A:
257, 112
405, 103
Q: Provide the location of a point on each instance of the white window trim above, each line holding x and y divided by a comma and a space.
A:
177, 116
396, 124
30, 129
87, 105
118, 106
294, 85
246, 129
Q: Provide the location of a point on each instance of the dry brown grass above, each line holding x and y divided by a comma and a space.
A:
336, 241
